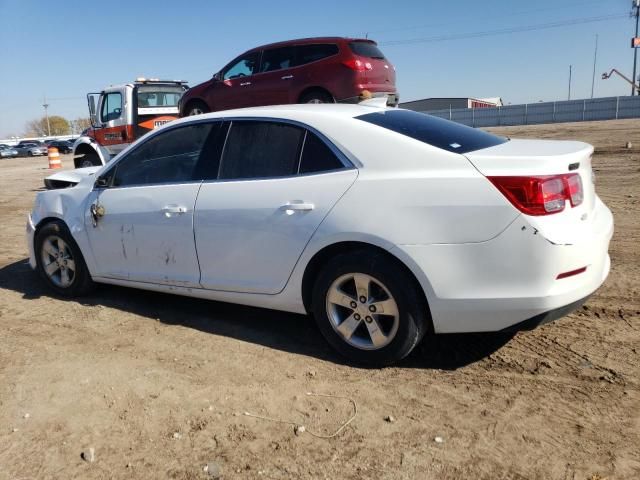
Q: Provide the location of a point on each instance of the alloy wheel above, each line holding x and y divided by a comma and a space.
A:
362, 311
58, 262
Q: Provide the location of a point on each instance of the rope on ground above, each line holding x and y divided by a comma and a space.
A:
304, 429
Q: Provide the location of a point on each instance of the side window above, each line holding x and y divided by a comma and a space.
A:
277, 59
243, 67
169, 157
317, 156
311, 53
261, 149
111, 107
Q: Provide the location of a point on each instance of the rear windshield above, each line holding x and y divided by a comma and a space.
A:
441, 133
159, 96
366, 49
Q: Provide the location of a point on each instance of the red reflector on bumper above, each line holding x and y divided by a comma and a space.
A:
571, 273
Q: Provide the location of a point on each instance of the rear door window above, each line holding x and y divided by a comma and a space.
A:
317, 156
317, 51
277, 59
256, 149
435, 131
366, 49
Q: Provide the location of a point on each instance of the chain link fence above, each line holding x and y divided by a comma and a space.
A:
608, 108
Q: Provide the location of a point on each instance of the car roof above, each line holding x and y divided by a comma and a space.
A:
303, 41
295, 111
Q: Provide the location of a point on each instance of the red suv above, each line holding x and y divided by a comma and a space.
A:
311, 70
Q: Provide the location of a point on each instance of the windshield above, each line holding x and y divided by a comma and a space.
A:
441, 133
153, 96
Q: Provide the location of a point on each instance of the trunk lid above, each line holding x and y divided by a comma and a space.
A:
530, 158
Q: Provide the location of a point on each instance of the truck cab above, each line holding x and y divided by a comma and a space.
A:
120, 114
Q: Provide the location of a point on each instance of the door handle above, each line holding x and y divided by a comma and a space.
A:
286, 77
244, 84
169, 210
290, 208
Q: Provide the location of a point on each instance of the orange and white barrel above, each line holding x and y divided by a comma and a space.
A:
54, 158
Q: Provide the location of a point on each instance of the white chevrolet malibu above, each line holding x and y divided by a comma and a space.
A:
384, 224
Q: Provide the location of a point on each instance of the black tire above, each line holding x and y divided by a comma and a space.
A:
195, 108
413, 318
87, 160
79, 279
316, 96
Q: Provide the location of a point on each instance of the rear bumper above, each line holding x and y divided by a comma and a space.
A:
511, 279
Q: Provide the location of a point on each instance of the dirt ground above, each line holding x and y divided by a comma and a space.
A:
158, 385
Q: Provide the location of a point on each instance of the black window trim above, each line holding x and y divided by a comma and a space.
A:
347, 164
125, 153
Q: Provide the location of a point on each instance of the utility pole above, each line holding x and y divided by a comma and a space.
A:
595, 56
46, 114
569, 97
636, 13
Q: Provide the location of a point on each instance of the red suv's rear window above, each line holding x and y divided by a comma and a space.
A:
366, 49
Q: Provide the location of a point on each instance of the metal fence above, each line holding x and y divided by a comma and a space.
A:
608, 108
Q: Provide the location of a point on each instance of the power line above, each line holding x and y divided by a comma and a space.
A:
503, 31
481, 17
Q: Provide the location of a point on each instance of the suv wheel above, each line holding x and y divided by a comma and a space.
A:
196, 108
368, 308
316, 96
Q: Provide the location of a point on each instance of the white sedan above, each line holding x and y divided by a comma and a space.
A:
384, 224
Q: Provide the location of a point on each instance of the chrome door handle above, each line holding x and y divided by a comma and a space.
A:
169, 210
290, 208
286, 77
244, 84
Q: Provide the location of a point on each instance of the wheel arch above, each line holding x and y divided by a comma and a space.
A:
86, 147
315, 264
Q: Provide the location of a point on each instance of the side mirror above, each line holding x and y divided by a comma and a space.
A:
101, 182
92, 103
217, 76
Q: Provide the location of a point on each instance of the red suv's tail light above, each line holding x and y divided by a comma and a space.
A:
357, 65
542, 195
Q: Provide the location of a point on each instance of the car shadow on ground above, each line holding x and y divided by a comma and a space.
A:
279, 330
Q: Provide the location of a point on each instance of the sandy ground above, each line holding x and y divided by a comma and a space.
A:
158, 385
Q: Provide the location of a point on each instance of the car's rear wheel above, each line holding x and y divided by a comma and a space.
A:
369, 308
316, 96
60, 262
196, 108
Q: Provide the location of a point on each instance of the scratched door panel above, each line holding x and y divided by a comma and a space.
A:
144, 235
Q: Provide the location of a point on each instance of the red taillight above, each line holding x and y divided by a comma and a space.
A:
541, 195
357, 65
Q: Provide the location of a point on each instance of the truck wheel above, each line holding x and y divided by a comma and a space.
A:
87, 160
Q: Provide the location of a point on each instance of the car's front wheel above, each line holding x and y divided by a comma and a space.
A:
369, 308
60, 262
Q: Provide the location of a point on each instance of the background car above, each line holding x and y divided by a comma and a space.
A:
7, 152
384, 224
312, 70
63, 146
30, 149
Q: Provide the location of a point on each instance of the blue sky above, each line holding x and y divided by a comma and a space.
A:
65, 49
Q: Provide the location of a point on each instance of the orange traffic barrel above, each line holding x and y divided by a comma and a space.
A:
54, 158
